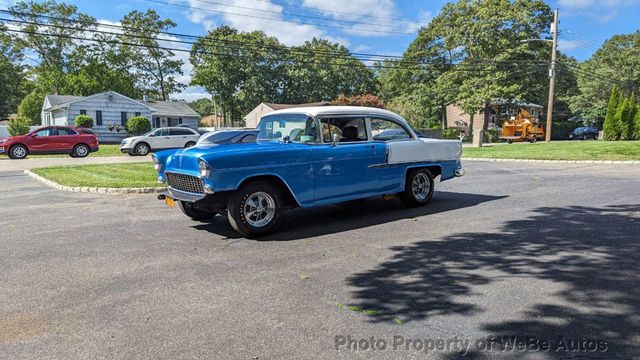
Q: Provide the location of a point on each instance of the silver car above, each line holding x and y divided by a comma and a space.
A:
159, 139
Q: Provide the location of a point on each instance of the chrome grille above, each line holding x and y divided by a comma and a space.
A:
183, 182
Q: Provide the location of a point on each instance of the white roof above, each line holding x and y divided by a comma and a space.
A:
338, 110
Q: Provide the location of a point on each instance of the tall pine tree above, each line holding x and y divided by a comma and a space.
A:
609, 127
622, 118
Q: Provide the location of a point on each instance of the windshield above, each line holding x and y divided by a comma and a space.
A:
298, 127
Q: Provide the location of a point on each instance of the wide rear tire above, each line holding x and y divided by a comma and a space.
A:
255, 209
418, 189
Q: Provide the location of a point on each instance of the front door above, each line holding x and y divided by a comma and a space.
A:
345, 170
42, 141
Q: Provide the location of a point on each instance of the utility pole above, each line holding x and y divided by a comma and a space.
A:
552, 75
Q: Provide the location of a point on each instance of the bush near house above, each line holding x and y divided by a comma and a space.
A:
451, 134
19, 126
84, 121
359, 100
138, 125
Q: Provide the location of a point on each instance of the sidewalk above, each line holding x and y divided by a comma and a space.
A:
7, 164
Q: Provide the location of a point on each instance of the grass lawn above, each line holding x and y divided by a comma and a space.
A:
134, 175
104, 150
559, 150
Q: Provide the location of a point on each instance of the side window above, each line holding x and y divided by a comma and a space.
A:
44, 132
65, 132
386, 130
347, 129
175, 132
187, 132
161, 132
249, 139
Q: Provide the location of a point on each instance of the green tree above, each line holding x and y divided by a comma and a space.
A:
204, 107
609, 127
31, 107
12, 81
155, 68
53, 44
19, 126
618, 60
622, 119
636, 126
474, 52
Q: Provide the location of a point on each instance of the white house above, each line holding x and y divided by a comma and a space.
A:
111, 108
251, 119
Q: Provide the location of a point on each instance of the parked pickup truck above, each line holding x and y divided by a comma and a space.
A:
306, 157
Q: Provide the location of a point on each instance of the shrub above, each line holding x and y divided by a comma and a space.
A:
492, 135
30, 107
19, 126
359, 100
636, 127
451, 134
609, 127
138, 125
84, 121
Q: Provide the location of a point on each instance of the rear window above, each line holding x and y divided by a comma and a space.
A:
86, 131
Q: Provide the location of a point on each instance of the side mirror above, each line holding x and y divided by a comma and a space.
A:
34, 135
334, 139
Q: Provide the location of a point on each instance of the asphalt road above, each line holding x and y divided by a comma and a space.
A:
546, 251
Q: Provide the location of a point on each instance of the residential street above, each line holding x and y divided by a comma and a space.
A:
511, 249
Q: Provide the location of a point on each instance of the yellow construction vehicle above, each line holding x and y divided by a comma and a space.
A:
522, 127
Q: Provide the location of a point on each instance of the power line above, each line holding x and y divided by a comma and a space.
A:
308, 16
279, 20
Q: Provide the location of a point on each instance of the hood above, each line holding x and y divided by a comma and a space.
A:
132, 138
236, 155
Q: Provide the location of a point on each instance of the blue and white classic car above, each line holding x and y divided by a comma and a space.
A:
306, 157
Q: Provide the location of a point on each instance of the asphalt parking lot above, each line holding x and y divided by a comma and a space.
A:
547, 251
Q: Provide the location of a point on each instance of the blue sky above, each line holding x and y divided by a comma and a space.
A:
368, 26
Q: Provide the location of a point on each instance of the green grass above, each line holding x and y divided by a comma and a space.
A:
559, 150
104, 150
134, 175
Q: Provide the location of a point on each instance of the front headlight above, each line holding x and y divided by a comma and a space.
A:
156, 162
203, 168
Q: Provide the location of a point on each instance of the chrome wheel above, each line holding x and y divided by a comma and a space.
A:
19, 152
421, 187
259, 209
142, 149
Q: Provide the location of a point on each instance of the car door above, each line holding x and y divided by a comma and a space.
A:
345, 169
65, 139
41, 141
160, 139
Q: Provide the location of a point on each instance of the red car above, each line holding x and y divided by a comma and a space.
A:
75, 141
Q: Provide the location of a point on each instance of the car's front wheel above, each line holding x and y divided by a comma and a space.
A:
142, 149
418, 189
195, 214
189, 144
81, 150
255, 209
18, 152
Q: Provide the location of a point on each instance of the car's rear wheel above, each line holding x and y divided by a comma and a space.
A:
142, 149
81, 150
195, 214
418, 189
255, 209
584, 137
189, 144
18, 152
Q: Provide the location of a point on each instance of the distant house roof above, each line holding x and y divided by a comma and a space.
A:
56, 100
172, 108
162, 108
275, 106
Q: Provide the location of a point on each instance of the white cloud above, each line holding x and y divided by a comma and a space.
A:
602, 11
568, 45
191, 93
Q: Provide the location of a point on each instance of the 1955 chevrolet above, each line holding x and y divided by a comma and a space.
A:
306, 157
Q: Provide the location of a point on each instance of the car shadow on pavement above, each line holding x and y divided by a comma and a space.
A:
592, 255
300, 224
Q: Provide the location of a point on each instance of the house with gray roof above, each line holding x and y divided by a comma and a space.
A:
111, 110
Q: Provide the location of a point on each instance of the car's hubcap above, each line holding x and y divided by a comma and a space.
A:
421, 187
259, 209
142, 150
81, 151
19, 152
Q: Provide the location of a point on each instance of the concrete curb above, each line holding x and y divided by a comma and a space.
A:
99, 190
603, 162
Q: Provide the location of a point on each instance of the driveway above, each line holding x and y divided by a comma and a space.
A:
546, 251
7, 164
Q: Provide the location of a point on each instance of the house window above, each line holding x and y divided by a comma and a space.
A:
179, 121
137, 113
98, 117
156, 122
123, 118
83, 112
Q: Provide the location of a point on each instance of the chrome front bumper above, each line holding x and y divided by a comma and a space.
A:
459, 173
183, 195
